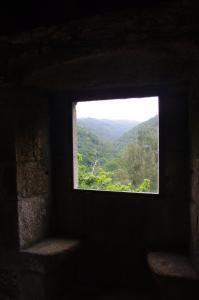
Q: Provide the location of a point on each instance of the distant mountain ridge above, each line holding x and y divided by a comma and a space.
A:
106, 129
132, 134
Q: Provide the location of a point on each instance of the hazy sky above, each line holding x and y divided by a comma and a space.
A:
139, 109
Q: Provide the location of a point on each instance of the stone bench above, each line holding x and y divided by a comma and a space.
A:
47, 268
174, 275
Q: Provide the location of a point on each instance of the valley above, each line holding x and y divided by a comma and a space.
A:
118, 155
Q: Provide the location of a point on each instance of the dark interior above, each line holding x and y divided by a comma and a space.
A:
51, 55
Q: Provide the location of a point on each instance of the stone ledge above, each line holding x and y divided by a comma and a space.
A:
52, 247
48, 254
172, 266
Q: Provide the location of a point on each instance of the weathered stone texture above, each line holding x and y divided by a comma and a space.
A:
33, 138
33, 219
32, 154
175, 275
47, 268
32, 179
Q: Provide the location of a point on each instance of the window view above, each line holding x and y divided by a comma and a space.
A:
117, 145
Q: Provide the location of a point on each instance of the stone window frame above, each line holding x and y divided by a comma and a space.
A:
62, 111
121, 93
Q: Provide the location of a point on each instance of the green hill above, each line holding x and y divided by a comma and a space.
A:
132, 158
106, 129
93, 149
140, 131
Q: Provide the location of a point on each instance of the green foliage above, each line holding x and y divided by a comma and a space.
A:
94, 150
143, 187
131, 135
140, 158
103, 180
128, 164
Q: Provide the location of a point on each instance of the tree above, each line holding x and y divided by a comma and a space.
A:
103, 180
140, 159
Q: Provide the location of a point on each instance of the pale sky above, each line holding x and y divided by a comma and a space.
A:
139, 109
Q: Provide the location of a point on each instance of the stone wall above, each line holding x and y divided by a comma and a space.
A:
165, 30
32, 154
137, 52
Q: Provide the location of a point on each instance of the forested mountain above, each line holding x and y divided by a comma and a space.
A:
134, 133
106, 129
92, 149
129, 163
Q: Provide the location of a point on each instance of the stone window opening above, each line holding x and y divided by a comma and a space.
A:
112, 151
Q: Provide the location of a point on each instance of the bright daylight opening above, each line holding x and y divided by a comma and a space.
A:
116, 145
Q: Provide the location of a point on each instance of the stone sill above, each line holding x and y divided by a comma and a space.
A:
52, 247
174, 266
48, 254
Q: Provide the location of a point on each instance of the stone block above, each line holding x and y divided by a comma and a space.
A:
49, 254
33, 220
175, 276
32, 139
48, 267
32, 179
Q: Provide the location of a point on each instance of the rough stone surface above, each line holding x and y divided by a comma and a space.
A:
49, 254
32, 179
32, 154
172, 265
52, 247
175, 276
48, 266
33, 138
33, 219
